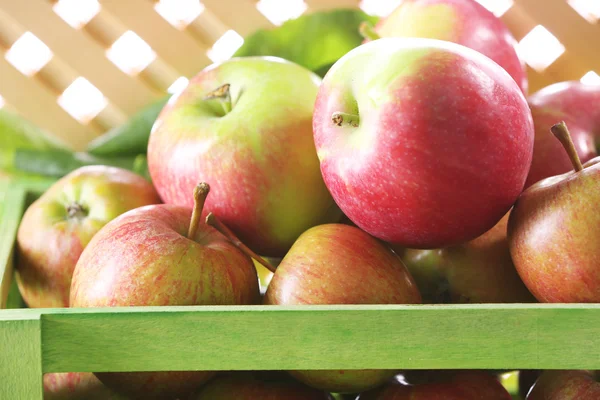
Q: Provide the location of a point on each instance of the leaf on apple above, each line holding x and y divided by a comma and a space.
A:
315, 40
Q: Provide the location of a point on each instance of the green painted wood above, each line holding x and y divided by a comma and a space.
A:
538, 336
20, 356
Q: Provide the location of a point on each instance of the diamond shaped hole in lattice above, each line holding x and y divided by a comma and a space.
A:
179, 13
497, 7
179, 84
380, 8
588, 9
225, 46
2, 102
28, 54
279, 11
76, 13
539, 48
590, 78
82, 100
131, 53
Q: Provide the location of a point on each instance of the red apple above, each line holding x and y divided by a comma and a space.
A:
465, 22
422, 143
56, 228
565, 385
465, 385
251, 140
245, 386
549, 157
154, 256
579, 101
478, 271
340, 264
553, 231
76, 386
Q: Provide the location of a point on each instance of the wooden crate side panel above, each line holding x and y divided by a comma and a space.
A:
13, 203
326, 337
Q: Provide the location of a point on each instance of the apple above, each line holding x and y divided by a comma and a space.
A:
247, 386
565, 385
57, 227
422, 143
157, 256
245, 127
478, 271
465, 22
549, 157
464, 385
553, 230
340, 264
578, 100
76, 386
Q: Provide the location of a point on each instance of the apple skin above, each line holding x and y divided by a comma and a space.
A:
478, 271
49, 242
143, 258
551, 219
565, 385
549, 157
579, 101
464, 22
245, 386
434, 161
464, 385
76, 386
345, 266
260, 158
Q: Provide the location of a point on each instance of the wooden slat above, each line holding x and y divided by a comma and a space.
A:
242, 16
575, 33
315, 5
175, 47
21, 358
518, 21
537, 80
81, 52
37, 103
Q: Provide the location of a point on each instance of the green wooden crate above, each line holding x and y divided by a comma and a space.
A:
501, 336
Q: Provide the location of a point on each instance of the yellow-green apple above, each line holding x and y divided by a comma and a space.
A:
157, 256
246, 386
244, 126
422, 143
464, 385
549, 157
565, 385
56, 227
577, 100
465, 22
340, 264
478, 271
552, 231
76, 386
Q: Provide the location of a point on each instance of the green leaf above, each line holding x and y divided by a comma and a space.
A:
131, 138
16, 132
315, 41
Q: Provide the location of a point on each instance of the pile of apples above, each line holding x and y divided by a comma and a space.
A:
417, 171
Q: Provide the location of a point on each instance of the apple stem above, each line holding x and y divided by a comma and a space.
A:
75, 210
561, 132
340, 118
222, 94
213, 221
367, 31
200, 193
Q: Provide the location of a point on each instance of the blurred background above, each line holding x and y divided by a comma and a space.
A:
78, 68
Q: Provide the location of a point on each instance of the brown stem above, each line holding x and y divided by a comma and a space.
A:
213, 221
75, 210
222, 94
561, 132
367, 31
200, 194
342, 118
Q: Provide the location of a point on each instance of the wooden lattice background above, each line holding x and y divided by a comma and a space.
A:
181, 50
